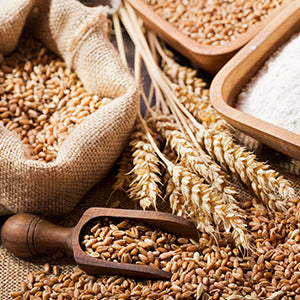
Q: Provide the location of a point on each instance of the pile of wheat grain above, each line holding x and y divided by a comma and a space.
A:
204, 270
41, 100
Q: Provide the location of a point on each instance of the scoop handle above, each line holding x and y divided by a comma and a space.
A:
28, 235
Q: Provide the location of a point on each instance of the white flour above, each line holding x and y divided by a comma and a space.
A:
273, 94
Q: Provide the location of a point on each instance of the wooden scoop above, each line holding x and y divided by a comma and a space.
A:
28, 235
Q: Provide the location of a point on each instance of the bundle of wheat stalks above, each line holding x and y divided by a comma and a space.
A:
182, 152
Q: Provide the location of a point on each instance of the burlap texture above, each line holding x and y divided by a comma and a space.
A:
13, 270
80, 35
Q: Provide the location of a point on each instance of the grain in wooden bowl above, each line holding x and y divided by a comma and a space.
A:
234, 76
208, 33
128, 241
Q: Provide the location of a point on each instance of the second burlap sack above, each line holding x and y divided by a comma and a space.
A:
80, 35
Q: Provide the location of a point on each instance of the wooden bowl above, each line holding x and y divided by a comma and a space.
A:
229, 82
208, 57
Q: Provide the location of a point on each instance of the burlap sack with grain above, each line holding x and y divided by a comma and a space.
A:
80, 35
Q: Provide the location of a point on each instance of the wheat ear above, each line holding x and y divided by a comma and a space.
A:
195, 159
181, 75
190, 90
271, 188
206, 205
123, 177
145, 187
173, 193
184, 208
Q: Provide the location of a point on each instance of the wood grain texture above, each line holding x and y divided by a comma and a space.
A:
229, 82
209, 58
28, 235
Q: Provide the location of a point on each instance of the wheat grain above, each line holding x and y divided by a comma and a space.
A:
204, 270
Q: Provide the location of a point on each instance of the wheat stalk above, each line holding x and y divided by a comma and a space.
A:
205, 205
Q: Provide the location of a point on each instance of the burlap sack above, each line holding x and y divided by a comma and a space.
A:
80, 35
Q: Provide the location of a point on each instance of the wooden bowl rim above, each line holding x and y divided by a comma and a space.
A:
149, 15
282, 139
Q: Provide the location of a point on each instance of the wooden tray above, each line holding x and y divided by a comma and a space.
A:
209, 58
229, 82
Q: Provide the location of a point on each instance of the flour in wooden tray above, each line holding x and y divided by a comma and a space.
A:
273, 94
